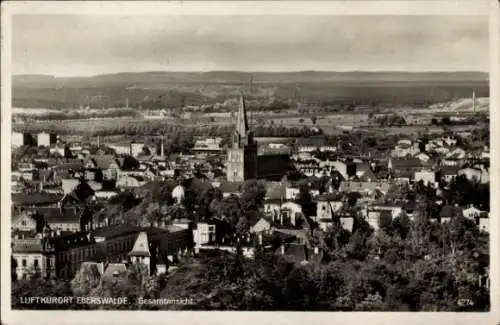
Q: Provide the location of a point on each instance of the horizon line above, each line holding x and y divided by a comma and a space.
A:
249, 72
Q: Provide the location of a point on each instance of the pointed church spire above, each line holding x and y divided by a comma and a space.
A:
241, 119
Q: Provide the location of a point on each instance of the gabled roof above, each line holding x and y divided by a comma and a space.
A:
141, 246
103, 161
259, 220
56, 215
118, 269
70, 184
80, 194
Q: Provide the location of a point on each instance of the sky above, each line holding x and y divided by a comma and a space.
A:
82, 45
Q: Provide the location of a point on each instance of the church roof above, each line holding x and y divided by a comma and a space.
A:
141, 246
114, 270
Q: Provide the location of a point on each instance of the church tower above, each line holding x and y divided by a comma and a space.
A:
140, 252
242, 153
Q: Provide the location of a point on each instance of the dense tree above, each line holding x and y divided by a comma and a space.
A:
305, 200
252, 196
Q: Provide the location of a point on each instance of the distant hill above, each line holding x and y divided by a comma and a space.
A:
244, 77
174, 89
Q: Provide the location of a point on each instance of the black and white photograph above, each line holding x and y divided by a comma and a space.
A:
246, 162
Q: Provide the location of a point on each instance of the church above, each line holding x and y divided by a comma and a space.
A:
244, 159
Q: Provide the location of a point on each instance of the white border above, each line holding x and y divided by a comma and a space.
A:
394, 7
452, 7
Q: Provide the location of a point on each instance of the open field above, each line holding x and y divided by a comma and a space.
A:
334, 102
331, 124
170, 89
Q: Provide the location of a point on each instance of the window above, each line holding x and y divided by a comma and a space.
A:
24, 262
35, 263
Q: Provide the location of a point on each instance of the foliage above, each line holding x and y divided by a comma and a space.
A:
306, 202
390, 120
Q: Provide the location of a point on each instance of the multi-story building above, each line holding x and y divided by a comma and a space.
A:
32, 256
43, 139
136, 149
17, 139
114, 243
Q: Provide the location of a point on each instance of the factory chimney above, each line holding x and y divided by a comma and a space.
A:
474, 102
162, 152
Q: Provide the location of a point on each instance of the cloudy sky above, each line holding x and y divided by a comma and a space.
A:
70, 45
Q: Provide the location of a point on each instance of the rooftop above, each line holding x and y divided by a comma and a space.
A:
141, 246
125, 230
35, 198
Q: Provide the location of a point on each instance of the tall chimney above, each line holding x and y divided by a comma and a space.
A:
473, 101
162, 152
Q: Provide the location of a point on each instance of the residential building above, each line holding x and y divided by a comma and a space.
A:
136, 149
46, 140
328, 206
208, 145
448, 173
31, 256
17, 139
107, 165
204, 233
474, 174
426, 176
130, 181
365, 188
